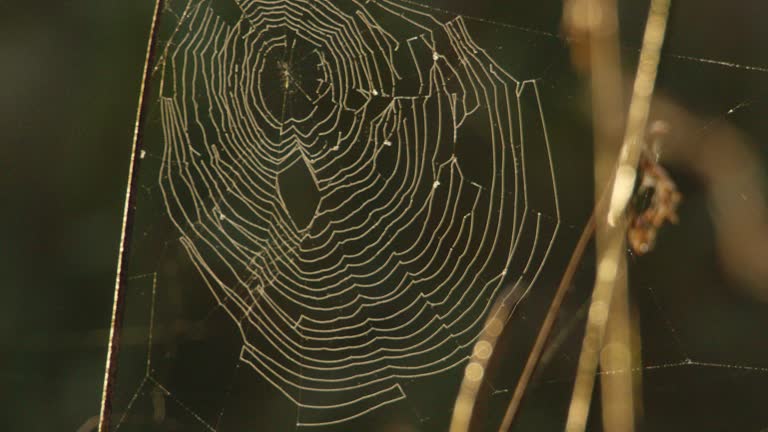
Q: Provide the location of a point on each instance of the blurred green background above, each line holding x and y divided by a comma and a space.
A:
69, 79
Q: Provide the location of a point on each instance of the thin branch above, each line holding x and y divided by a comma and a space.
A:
118, 305
547, 324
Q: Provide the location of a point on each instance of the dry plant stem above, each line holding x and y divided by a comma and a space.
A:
639, 108
546, 325
476, 369
598, 313
607, 86
592, 25
118, 304
611, 259
593, 28
620, 352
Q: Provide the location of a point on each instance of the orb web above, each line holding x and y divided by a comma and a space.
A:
349, 179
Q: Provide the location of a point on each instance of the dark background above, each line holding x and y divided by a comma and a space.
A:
70, 77
69, 80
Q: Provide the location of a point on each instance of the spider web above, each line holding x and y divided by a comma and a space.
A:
350, 181
313, 164
333, 194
